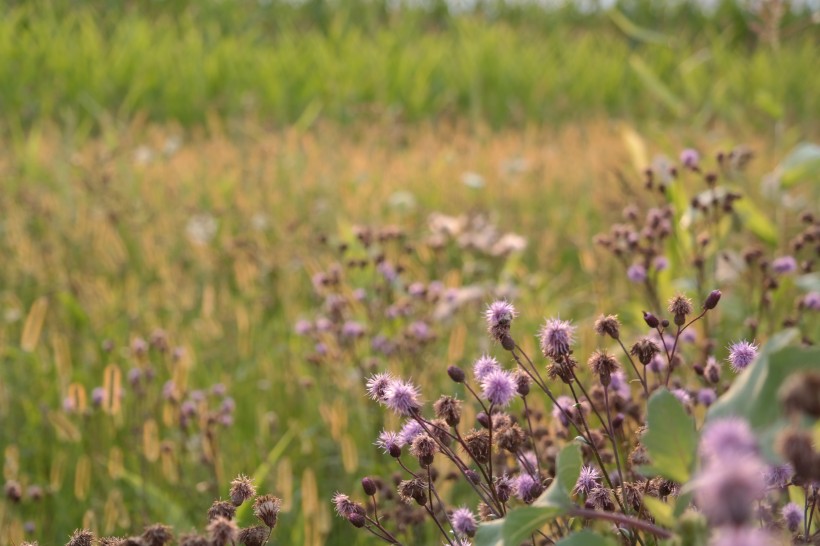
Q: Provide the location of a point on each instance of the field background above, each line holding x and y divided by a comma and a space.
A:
189, 166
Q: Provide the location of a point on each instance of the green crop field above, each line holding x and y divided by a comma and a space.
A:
219, 218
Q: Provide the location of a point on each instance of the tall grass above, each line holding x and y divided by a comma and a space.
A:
88, 66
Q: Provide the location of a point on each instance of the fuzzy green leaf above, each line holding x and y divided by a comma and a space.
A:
670, 439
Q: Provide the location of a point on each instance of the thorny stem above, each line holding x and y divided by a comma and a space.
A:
677, 337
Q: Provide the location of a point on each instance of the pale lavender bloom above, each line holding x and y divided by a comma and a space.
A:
727, 439
197, 395
528, 462
689, 336
225, 420
69, 406
499, 387
344, 506
360, 294
382, 345
682, 396
690, 158
778, 476
811, 301
742, 536
228, 405
464, 522
187, 409
556, 336
527, 488
408, 432
784, 265
416, 289
420, 330
352, 329
741, 354
727, 489
484, 366
707, 397
566, 403
134, 376
792, 515
388, 441
320, 348
387, 271
303, 327
587, 480
139, 346
318, 280
660, 263
459, 542
636, 273
219, 389
620, 385
499, 316
169, 390
98, 396
377, 385
657, 364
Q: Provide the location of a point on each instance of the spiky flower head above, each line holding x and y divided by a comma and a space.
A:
499, 315
485, 365
562, 409
601, 498
690, 158
587, 480
449, 409
266, 508
223, 531
424, 449
477, 443
81, 537
741, 354
413, 490
464, 521
377, 385
636, 273
344, 506
390, 443
680, 306
811, 301
253, 536
190, 539
527, 488
645, 349
726, 490
603, 365
792, 516
784, 265
556, 337
727, 439
499, 387
608, 325
242, 489
402, 397
409, 431
157, 535
221, 509
743, 536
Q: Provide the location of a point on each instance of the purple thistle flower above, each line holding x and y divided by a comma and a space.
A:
408, 432
484, 366
323, 324
360, 294
352, 329
741, 354
420, 331
811, 301
303, 327
464, 522
660, 263
690, 158
556, 336
527, 488
742, 536
778, 476
682, 396
566, 403
98, 396
587, 480
689, 336
727, 439
657, 364
389, 441
344, 506
792, 516
320, 348
499, 387
528, 462
707, 397
416, 289
402, 397
377, 385
784, 265
620, 385
499, 315
727, 489
636, 273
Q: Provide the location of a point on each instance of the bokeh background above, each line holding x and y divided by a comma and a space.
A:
188, 189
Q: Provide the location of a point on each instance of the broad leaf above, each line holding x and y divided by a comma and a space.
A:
756, 221
802, 164
243, 513
660, 510
586, 537
520, 523
670, 438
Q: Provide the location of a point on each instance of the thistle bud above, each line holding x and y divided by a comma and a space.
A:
712, 299
651, 320
456, 374
369, 486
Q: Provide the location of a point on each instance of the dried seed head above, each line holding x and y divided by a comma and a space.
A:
511, 438
645, 349
449, 409
680, 306
608, 325
801, 394
189, 540
157, 535
222, 531
253, 536
266, 508
413, 490
603, 365
477, 443
13, 490
81, 537
424, 449
796, 447
242, 489
522, 381
562, 369
712, 371
221, 509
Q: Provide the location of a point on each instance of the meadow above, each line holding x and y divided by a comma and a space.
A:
219, 219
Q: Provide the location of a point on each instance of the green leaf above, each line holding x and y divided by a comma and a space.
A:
802, 163
520, 523
753, 395
670, 438
755, 221
586, 537
661, 511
